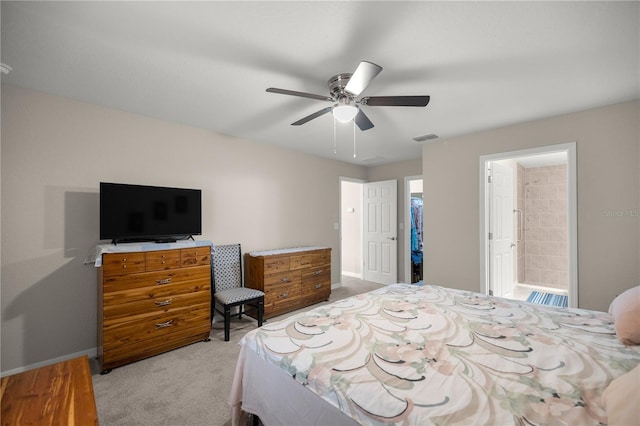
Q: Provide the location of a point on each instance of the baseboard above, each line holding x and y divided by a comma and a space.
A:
91, 353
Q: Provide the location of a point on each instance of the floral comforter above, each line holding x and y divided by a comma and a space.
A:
431, 355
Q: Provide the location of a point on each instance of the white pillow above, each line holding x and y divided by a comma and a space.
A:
625, 310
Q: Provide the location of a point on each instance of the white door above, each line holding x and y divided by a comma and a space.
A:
501, 243
380, 232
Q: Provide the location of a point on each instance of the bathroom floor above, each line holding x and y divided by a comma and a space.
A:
522, 291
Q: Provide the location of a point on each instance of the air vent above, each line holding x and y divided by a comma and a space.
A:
425, 137
371, 159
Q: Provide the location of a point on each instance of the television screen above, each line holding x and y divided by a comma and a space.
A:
147, 213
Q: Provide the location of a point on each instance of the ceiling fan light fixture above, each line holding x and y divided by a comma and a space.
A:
344, 113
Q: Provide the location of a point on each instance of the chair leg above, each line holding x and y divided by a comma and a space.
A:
227, 322
260, 312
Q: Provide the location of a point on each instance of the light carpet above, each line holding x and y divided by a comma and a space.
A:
186, 386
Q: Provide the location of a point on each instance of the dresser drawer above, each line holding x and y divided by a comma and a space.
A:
125, 354
123, 263
139, 328
313, 292
317, 274
163, 259
311, 259
281, 296
276, 264
154, 279
282, 278
196, 256
301, 261
149, 301
281, 291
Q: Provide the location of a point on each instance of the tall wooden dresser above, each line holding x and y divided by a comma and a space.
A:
152, 301
290, 278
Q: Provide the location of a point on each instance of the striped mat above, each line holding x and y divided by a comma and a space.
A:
548, 299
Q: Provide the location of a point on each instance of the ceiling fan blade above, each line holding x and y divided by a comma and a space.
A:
312, 116
411, 101
361, 77
363, 121
301, 94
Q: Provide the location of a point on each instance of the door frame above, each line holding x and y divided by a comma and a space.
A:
572, 213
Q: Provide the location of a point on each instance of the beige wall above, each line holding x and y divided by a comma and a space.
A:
54, 154
608, 171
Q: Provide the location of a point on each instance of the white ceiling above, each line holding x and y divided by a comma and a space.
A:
207, 64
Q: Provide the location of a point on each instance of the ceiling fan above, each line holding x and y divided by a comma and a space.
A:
344, 88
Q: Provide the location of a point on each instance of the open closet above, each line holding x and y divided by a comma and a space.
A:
416, 230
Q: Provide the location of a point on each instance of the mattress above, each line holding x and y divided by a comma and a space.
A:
413, 355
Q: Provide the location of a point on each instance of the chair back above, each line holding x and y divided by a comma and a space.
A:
227, 267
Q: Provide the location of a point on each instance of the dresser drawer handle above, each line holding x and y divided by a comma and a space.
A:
165, 281
284, 295
317, 272
164, 324
317, 286
164, 303
284, 280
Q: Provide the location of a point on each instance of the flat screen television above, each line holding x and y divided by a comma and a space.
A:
131, 213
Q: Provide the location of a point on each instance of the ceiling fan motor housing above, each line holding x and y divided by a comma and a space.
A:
337, 84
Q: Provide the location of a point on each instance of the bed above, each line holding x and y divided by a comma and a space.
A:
420, 355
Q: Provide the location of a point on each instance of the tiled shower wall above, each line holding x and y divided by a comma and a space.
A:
542, 256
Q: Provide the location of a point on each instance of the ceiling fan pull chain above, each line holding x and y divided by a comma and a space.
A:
354, 138
335, 149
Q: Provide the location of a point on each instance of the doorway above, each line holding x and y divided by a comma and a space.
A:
528, 224
368, 230
413, 231
351, 228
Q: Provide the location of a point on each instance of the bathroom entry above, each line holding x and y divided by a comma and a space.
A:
529, 208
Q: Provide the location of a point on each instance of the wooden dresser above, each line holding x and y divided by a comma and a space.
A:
290, 278
151, 302
57, 394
